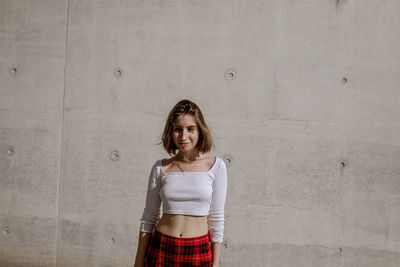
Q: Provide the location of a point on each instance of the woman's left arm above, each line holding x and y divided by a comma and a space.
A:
216, 217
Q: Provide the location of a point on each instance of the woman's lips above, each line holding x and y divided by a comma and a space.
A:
184, 144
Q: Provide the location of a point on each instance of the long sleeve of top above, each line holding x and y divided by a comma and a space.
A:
151, 212
216, 216
189, 193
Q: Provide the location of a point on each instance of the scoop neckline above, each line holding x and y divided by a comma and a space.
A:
212, 167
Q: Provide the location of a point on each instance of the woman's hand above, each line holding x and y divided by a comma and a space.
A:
216, 250
141, 250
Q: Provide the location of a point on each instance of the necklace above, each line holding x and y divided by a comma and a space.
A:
177, 164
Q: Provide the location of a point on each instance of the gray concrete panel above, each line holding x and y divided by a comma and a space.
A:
32, 60
301, 97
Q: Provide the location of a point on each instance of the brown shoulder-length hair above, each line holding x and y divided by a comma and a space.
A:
183, 107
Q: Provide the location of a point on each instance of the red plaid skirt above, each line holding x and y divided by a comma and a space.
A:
165, 250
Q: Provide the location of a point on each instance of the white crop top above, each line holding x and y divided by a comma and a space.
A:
189, 193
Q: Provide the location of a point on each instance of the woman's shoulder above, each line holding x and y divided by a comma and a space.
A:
211, 161
166, 161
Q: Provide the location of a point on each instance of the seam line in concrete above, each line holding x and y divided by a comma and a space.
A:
62, 132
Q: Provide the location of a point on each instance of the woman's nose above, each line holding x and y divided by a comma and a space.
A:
184, 134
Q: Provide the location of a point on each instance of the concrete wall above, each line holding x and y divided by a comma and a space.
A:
302, 97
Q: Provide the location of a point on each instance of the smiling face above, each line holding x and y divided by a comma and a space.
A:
185, 132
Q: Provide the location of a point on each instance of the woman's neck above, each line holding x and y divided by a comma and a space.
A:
188, 156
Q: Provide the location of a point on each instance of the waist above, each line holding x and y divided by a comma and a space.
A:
184, 226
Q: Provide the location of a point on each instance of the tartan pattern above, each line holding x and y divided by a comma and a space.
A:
165, 250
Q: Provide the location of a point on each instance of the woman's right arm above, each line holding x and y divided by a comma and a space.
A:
151, 214
141, 250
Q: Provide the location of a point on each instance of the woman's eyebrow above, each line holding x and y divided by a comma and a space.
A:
190, 126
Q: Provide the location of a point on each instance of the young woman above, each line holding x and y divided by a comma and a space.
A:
192, 188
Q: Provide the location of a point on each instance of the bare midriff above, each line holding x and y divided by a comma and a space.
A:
184, 226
